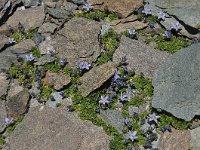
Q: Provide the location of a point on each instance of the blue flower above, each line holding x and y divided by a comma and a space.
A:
132, 85
169, 128
195, 40
151, 24
127, 123
11, 40
51, 52
132, 135
29, 57
153, 118
124, 59
104, 100
10, 29
132, 32
105, 29
163, 129
161, 16
123, 97
62, 62
147, 11
84, 66
69, 108
167, 35
176, 26
87, 7
8, 121
147, 145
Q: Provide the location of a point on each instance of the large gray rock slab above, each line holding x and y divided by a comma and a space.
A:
141, 58
195, 138
17, 100
29, 3
4, 82
59, 13
95, 78
56, 129
176, 84
3, 115
78, 41
185, 10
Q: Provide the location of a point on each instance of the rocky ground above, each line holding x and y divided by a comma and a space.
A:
99, 75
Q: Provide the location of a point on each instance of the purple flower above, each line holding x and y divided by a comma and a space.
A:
161, 16
8, 121
124, 59
147, 11
104, 100
132, 32
132, 85
147, 145
87, 6
11, 40
169, 128
62, 62
84, 66
51, 52
70, 108
163, 129
167, 35
125, 69
9, 27
132, 135
123, 97
176, 26
195, 40
29, 57
153, 118
151, 24
116, 76
127, 123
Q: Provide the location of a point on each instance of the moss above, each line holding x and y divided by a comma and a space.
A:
18, 36
97, 14
104, 57
36, 52
53, 67
171, 46
12, 126
46, 92
2, 141
30, 33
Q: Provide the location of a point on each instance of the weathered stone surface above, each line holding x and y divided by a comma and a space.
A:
29, 3
59, 13
195, 138
124, 20
141, 58
17, 100
114, 118
3, 115
29, 18
3, 41
177, 140
141, 109
45, 59
70, 6
121, 27
46, 46
185, 10
95, 78
4, 84
58, 99
27, 44
56, 129
79, 41
57, 80
48, 28
122, 7
176, 84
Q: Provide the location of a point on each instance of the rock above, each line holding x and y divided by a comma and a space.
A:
17, 100
70, 7
185, 10
57, 80
121, 27
195, 138
29, 3
131, 18
38, 38
48, 28
27, 45
4, 82
5, 62
95, 78
78, 41
122, 7
195, 124
45, 59
79, 2
141, 58
58, 99
56, 129
176, 84
29, 18
3, 41
113, 118
177, 140
141, 109
46, 46
59, 13
3, 115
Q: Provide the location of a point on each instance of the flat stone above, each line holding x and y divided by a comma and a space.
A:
195, 138
177, 140
3, 115
45, 59
59, 13
29, 3
56, 129
46, 46
58, 99
141, 58
48, 28
124, 20
57, 80
176, 84
114, 118
121, 27
4, 84
70, 7
3, 41
27, 44
17, 100
95, 78
29, 18
122, 7
78, 41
